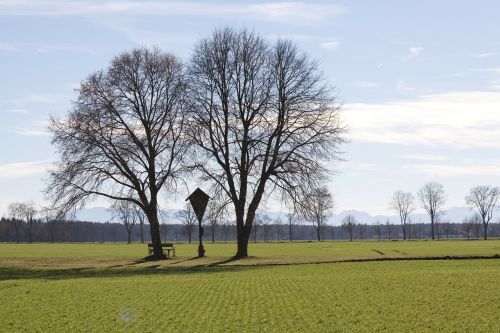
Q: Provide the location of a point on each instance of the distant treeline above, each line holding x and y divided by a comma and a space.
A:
80, 231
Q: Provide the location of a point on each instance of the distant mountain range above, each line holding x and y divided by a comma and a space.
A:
454, 214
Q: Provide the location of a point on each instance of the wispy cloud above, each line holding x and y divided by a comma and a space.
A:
444, 170
32, 132
414, 52
37, 98
357, 168
333, 44
485, 55
297, 12
17, 111
37, 128
366, 84
457, 119
291, 11
23, 169
424, 157
8, 47
403, 87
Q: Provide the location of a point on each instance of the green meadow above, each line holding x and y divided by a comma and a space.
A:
282, 287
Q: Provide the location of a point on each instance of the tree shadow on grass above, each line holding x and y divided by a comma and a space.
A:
21, 273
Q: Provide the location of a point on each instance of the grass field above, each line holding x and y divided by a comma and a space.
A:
102, 287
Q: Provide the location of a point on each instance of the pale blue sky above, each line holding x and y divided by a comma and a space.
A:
420, 81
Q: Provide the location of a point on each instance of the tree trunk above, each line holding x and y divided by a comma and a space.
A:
51, 234
242, 239
17, 235
242, 234
129, 237
142, 231
485, 225
318, 234
154, 227
30, 233
432, 227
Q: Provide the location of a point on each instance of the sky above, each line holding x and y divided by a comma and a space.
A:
419, 81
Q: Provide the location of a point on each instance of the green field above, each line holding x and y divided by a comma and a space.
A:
104, 287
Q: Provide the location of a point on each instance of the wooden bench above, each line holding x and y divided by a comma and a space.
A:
166, 247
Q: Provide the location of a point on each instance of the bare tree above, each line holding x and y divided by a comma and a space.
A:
485, 200
28, 211
257, 223
262, 118
389, 228
52, 218
265, 222
51, 221
226, 230
432, 198
378, 230
216, 213
467, 225
361, 230
127, 214
188, 219
404, 204
123, 135
16, 215
279, 227
164, 228
409, 224
316, 207
291, 218
141, 217
348, 224
476, 219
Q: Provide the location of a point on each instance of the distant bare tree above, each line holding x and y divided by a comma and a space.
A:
123, 135
485, 200
389, 228
216, 213
263, 119
188, 219
409, 224
476, 219
404, 204
16, 214
226, 230
52, 218
349, 224
27, 210
164, 228
361, 230
127, 214
279, 227
332, 232
448, 229
265, 221
291, 218
257, 223
378, 230
51, 221
316, 207
432, 198
467, 225
141, 217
